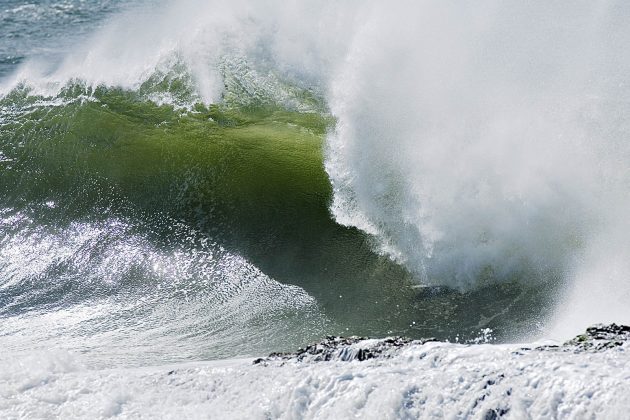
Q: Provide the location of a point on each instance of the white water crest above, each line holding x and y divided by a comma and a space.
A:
489, 143
202, 40
476, 143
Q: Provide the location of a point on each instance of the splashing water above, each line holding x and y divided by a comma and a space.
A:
488, 143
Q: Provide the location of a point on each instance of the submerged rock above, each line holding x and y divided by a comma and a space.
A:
596, 338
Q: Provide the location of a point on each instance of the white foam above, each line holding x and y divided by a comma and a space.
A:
435, 380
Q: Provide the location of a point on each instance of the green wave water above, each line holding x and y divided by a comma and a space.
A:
249, 177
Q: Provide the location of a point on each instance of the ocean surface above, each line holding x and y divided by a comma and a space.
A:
191, 184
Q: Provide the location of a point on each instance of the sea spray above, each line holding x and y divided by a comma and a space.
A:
486, 143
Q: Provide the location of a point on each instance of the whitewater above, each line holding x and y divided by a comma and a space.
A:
188, 186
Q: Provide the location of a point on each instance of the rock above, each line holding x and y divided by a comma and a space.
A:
600, 337
345, 349
596, 338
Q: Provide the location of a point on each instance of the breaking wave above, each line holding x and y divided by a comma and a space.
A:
418, 169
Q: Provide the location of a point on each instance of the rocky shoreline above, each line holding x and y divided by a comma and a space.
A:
596, 338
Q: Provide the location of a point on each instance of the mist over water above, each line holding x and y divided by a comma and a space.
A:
474, 145
488, 143
46, 28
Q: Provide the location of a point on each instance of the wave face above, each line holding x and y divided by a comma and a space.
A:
198, 172
120, 233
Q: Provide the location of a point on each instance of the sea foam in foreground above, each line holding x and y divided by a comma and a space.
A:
372, 379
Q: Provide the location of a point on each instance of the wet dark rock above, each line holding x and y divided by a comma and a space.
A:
345, 349
600, 337
497, 413
596, 338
